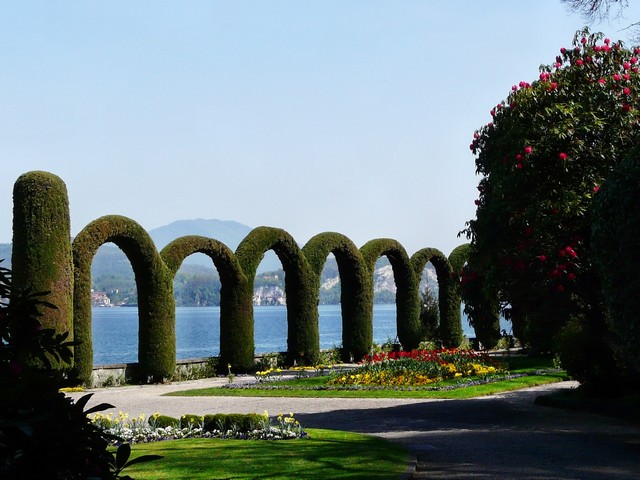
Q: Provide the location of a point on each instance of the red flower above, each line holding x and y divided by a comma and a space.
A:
626, 90
562, 156
528, 150
579, 62
542, 258
571, 252
583, 40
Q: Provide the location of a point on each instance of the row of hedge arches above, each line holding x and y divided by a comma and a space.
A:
154, 273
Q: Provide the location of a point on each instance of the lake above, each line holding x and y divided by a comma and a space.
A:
115, 331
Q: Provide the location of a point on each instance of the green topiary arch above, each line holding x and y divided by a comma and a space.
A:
407, 298
303, 341
156, 305
356, 290
452, 332
234, 341
446, 289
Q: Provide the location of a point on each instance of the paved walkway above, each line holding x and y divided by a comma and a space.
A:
503, 436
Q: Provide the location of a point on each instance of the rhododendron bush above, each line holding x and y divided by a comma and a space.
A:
543, 157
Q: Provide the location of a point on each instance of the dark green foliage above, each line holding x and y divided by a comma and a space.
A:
236, 330
615, 231
481, 304
164, 421
189, 419
43, 433
429, 315
356, 294
407, 282
230, 421
451, 331
156, 307
303, 342
41, 257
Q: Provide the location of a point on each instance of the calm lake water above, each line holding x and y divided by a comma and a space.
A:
115, 331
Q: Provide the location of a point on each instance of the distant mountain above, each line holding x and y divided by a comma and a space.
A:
198, 283
229, 232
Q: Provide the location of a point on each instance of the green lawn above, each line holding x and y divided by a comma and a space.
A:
304, 387
326, 454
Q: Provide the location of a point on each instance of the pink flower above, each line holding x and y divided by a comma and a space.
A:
519, 166
626, 65
616, 77
633, 60
528, 150
579, 62
563, 50
571, 252
596, 189
601, 81
519, 157
562, 156
626, 90
542, 258
607, 41
583, 40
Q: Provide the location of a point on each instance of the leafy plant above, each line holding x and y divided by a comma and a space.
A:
33, 412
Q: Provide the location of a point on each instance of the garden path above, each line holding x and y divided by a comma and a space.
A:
503, 436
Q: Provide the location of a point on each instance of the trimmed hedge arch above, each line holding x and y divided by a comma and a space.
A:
236, 347
303, 339
41, 258
407, 298
446, 288
356, 290
156, 305
451, 333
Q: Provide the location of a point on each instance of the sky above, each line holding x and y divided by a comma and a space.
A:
345, 116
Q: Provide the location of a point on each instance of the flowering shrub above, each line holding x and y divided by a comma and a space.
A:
141, 430
418, 368
543, 156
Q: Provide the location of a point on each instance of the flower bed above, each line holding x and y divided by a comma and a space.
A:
236, 426
418, 368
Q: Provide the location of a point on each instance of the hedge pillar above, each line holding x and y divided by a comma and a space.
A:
41, 259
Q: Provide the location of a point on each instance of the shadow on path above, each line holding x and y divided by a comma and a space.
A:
500, 437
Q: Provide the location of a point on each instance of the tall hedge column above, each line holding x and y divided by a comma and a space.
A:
41, 259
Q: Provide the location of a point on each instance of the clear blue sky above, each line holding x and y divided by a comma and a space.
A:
352, 116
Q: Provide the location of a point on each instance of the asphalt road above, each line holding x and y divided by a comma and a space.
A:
503, 436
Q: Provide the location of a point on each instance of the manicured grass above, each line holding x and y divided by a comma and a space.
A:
326, 454
523, 365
